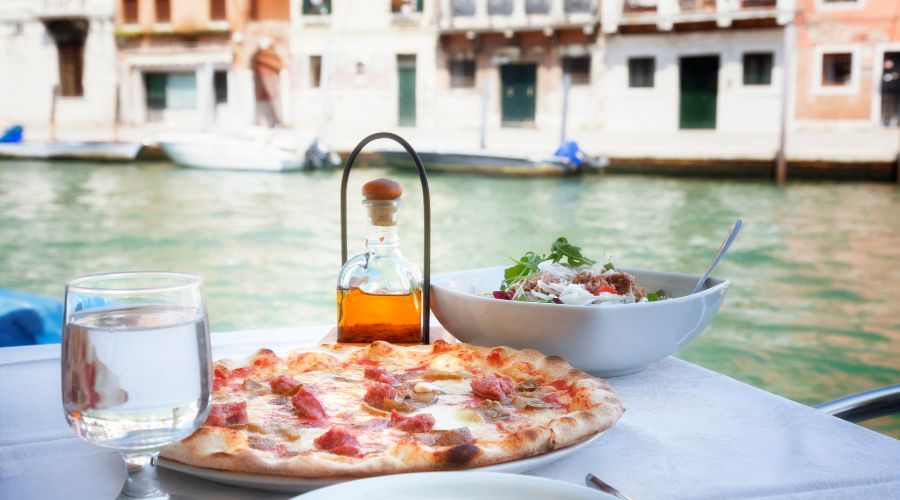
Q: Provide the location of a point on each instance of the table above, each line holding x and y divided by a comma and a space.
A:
687, 432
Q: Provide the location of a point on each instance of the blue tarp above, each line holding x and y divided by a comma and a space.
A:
29, 319
570, 150
13, 134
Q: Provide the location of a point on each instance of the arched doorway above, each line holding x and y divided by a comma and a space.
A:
267, 67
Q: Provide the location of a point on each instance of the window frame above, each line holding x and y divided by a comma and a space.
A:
844, 5
137, 12
628, 67
567, 70
852, 86
315, 71
156, 9
769, 79
306, 9
450, 74
213, 11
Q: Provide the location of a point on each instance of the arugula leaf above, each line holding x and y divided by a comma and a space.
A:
524, 268
527, 266
561, 248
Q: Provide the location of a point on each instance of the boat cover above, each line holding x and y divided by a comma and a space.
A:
13, 135
570, 150
29, 319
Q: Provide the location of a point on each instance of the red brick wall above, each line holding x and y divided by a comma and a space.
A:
877, 22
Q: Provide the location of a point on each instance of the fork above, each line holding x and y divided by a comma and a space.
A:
595, 482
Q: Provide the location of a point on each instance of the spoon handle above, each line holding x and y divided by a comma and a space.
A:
715, 262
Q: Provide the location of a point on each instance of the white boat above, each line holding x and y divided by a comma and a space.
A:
214, 151
72, 150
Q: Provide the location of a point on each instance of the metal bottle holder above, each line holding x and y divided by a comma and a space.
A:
426, 202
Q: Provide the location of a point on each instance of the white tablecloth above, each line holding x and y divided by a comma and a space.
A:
687, 433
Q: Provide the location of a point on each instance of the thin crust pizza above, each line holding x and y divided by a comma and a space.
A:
339, 410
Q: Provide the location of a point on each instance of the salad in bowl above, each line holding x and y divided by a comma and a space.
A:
565, 276
599, 318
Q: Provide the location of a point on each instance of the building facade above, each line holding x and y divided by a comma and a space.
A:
848, 64
364, 65
675, 65
205, 63
58, 63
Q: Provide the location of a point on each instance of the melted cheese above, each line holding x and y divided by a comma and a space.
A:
341, 391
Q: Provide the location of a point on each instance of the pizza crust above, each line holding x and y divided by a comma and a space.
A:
591, 408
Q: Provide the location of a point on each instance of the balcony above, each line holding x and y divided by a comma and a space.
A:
49, 9
517, 15
665, 14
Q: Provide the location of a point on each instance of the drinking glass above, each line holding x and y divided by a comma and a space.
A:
136, 366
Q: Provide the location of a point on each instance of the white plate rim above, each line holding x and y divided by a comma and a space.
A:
290, 484
490, 481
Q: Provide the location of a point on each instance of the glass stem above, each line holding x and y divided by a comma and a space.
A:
142, 481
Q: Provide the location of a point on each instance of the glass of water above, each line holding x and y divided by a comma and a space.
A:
136, 366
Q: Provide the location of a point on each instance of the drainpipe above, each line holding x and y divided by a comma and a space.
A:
787, 65
484, 100
567, 82
53, 98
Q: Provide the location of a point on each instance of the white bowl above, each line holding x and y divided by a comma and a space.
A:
608, 340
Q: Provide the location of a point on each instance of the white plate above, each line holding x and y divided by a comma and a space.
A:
455, 486
286, 484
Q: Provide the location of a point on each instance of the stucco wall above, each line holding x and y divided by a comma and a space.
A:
739, 108
30, 69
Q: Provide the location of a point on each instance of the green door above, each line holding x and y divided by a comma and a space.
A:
699, 89
406, 78
519, 89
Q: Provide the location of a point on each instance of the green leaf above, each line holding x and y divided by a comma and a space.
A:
562, 249
657, 295
609, 266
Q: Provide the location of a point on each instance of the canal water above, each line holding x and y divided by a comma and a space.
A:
813, 312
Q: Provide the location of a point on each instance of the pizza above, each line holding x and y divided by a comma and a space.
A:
342, 411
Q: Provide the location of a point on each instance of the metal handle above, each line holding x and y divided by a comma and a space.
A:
865, 405
426, 202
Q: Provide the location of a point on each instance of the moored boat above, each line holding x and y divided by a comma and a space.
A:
481, 161
72, 150
225, 152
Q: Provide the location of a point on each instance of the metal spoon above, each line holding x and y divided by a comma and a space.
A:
715, 262
595, 482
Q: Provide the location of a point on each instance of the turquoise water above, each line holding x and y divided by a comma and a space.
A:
813, 312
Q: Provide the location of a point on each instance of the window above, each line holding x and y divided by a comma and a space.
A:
462, 73
500, 7
758, 68
315, 71
71, 68
577, 6
220, 86
537, 6
172, 90
407, 6
316, 7
641, 71
217, 10
578, 68
163, 11
837, 69
130, 11
462, 8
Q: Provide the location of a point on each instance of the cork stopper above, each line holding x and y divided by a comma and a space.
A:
382, 189
382, 198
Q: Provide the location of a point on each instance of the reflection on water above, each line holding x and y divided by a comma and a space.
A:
812, 313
